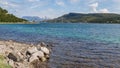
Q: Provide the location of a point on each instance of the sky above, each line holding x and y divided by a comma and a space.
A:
56, 8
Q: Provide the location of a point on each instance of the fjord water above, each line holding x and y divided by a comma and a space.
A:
76, 45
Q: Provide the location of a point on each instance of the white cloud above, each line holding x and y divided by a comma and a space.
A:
8, 4
104, 10
60, 3
94, 6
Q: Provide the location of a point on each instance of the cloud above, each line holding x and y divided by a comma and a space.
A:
104, 10
94, 6
60, 3
8, 4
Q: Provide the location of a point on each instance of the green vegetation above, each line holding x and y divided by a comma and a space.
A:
6, 17
88, 18
2, 63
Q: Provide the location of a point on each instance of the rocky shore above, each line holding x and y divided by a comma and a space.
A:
20, 55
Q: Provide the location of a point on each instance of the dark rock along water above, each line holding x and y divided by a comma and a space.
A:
75, 45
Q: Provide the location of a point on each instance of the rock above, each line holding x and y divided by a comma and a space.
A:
31, 50
47, 56
43, 59
45, 50
11, 62
12, 57
38, 46
15, 56
43, 44
36, 56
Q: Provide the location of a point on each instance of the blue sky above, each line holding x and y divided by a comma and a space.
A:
55, 8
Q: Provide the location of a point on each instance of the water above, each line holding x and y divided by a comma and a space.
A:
75, 45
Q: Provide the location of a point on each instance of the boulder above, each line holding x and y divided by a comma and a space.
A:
11, 62
38, 46
31, 50
43, 44
45, 50
36, 56
15, 56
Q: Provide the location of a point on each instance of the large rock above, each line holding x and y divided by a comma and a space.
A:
39, 55
11, 62
31, 50
15, 56
45, 50
43, 44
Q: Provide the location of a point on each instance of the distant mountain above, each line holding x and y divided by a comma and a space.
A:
88, 18
6, 17
33, 18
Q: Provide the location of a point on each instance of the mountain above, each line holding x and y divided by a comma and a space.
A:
88, 18
6, 17
33, 18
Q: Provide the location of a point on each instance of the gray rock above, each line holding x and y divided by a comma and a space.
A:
39, 55
43, 44
13, 57
45, 50
11, 62
31, 50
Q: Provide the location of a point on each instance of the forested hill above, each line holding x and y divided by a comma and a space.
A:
88, 18
6, 17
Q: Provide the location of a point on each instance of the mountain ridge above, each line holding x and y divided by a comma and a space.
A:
88, 18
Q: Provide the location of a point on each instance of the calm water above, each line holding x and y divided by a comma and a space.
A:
75, 45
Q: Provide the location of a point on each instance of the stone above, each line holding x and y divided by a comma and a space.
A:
45, 50
13, 57
38, 46
43, 44
31, 50
36, 56
11, 62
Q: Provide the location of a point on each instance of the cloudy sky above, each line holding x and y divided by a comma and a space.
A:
55, 8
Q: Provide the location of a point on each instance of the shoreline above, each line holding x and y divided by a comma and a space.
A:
22, 55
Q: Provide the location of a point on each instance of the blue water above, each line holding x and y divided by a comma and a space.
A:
86, 32
75, 45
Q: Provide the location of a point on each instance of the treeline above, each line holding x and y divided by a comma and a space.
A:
88, 18
6, 17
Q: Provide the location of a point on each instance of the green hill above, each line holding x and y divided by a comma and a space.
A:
6, 17
88, 18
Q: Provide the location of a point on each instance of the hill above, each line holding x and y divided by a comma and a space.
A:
6, 17
88, 18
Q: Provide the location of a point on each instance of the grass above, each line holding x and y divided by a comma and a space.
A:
2, 63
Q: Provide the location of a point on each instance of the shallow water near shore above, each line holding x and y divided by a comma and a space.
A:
75, 45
